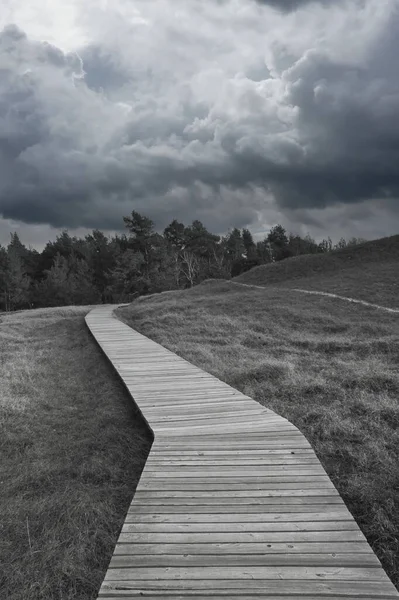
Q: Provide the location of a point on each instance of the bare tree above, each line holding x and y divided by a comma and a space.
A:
190, 266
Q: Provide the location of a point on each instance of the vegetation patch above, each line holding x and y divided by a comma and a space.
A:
97, 268
72, 448
365, 271
328, 366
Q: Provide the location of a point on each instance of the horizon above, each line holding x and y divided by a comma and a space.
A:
81, 233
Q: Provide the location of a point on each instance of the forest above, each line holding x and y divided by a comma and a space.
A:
102, 269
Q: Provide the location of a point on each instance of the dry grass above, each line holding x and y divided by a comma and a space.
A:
367, 272
71, 451
330, 367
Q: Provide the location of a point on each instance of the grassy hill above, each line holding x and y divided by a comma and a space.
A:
330, 367
72, 447
369, 271
71, 452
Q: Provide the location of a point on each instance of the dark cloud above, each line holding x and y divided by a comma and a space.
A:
225, 125
289, 5
100, 70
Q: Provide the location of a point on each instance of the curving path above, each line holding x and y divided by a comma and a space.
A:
317, 293
232, 502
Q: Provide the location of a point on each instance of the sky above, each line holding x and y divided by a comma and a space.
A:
239, 113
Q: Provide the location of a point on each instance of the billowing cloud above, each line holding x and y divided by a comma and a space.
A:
288, 5
232, 112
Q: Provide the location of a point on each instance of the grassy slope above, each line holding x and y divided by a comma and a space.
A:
329, 366
368, 272
71, 452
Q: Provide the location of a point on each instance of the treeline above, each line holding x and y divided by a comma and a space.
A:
98, 268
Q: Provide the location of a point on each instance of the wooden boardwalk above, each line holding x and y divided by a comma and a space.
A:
232, 502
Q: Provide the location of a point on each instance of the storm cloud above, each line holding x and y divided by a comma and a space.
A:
234, 112
289, 5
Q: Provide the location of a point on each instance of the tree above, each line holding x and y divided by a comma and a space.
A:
17, 286
220, 264
127, 278
68, 281
278, 241
3, 278
190, 266
101, 257
325, 245
55, 288
176, 265
141, 229
64, 245
341, 244
16, 281
264, 251
234, 245
354, 241
298, 245
175, 234
141, 238
200, 241
81, 277
249, 244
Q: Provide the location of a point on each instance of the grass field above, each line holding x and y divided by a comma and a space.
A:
330, 367
369, 271
71, 452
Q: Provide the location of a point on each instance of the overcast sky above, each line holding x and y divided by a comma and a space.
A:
234, 112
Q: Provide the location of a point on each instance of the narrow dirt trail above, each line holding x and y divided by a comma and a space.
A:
329, 295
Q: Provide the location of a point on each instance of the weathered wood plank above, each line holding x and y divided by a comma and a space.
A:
242, 548
219, 595
229, 508
248, 493
246, 573
233, 483
265, 537
247, 500
242, 590
335, 559
221, 527
334, 516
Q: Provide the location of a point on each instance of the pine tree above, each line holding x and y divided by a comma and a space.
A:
278, 241
234, 244
17, 283
249, 244
175, 234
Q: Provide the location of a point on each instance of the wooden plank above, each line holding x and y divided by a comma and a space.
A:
233, 472
221, 527
263, 451
242, 549
243, 590
213, 484
244, 431
228, 508
269, 443
335, 516
142, 495
234, 483
334, 559
247, 500
247, 573
265, 537
239, 461
219, 595
197, 414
